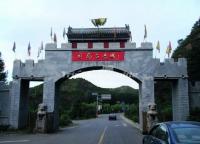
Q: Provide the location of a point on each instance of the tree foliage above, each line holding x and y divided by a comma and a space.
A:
2, 70
190, 49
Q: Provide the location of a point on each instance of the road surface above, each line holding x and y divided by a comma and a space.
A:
93, 131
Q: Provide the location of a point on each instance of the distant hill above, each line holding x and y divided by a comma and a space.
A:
80, 89
83, 89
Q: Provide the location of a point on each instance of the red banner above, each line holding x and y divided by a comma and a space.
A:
97, 56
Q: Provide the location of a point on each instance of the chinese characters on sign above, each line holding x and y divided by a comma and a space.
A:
97, 56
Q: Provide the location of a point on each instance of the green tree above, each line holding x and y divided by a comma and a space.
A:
190, 49
3, 74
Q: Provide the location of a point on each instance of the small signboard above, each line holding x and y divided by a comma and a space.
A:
106, 96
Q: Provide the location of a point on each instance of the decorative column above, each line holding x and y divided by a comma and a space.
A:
15, 103
49, 100
180, 99
147, 97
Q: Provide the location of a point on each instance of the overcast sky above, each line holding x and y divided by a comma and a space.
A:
31, 20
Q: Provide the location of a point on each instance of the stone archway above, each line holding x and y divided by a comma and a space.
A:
137, 79
118, 54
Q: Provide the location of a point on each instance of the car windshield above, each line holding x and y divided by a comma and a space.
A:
187, 135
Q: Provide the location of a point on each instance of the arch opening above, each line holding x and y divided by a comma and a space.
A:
129, 105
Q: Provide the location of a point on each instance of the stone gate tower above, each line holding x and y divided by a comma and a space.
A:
93, 49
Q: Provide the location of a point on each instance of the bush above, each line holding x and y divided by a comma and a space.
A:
65, 119
132, 112
83, 111
106, 108
116, 108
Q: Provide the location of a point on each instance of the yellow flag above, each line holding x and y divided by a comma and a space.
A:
158, 46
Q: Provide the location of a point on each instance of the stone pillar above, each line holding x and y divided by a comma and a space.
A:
19, 103
50, 101
147, 97
15, 102
180, 99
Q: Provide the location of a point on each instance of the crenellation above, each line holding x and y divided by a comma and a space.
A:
169, 61
29, 63
130, 45
147, 45
66, 45
50, 46
182, 62
17, 63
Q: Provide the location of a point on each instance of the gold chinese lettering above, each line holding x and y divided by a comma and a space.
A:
112, 55
97, 56
79, 56
88, 56
104, 56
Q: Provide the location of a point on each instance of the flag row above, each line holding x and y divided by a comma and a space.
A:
29, 49
168, 49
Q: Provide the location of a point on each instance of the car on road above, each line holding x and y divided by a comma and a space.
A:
112, 116
175, 132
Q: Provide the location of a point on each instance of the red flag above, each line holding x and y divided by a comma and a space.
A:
29, 49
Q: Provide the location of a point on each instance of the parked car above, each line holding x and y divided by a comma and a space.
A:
112, 116
182, 132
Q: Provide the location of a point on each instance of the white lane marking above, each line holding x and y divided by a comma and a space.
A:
117, 125
69, 127
16, 141
102, 136
124, 124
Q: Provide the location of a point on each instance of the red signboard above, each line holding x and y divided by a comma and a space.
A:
97, 56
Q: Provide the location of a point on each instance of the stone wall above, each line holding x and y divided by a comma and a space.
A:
194, 94
4, 104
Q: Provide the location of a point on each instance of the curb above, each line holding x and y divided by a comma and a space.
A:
136, 125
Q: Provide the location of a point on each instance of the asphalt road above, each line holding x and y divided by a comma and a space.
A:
93, 131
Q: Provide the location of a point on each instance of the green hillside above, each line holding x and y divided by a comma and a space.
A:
77, 102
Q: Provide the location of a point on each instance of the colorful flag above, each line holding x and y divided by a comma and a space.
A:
169, 49
14, 47
158, 46
145, 32
39, 50
42, 47
51, 33
29, 49
64, 33
55, 38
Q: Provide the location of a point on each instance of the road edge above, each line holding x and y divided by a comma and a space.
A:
135, 125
